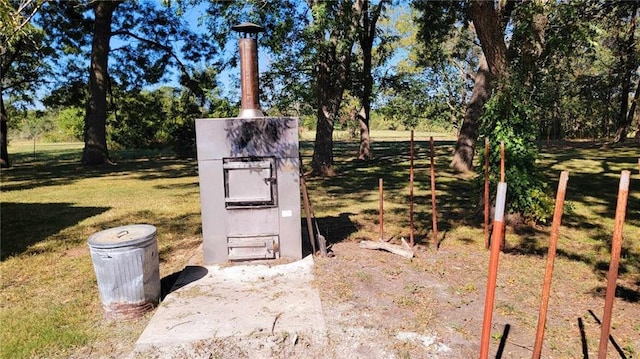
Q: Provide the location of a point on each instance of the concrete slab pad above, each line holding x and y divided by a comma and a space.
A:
238, 301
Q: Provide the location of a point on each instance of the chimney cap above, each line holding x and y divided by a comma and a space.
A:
248, 28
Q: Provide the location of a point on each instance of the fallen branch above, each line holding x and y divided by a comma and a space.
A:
393, 248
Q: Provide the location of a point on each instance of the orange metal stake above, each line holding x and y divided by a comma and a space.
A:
498, 224
411, 195
434, 215
502, 161
616, 246
548, 274
381, 210
486, 193
502, 179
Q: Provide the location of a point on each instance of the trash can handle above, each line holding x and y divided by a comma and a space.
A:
122, 233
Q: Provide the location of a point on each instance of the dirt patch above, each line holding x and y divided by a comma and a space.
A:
372, 299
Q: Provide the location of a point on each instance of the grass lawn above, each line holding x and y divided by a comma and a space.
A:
50, 205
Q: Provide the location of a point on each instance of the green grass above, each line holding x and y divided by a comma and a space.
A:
49, 300
50, 205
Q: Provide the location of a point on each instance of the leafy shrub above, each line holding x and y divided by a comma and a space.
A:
69, 125
508, 118
140, 117
35, 124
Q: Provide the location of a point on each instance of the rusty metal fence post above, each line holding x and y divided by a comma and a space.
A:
498, 224
486, 193
548, 274
502, 179
434, 215
411, 194
616, 247
381, 209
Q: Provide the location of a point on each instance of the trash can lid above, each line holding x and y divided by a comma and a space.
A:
131, 235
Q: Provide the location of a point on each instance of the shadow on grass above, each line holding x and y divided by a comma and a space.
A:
583, 339
334, 228
622, 292
55, 171
593, 184
594, 176
528, 246
356, 178
26, 224
611, 339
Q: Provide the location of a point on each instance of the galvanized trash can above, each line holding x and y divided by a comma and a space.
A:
125, 260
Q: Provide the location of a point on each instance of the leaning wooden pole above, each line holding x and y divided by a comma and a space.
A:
434, 215
381, 210
307, 211
616, 246
411, 194
548, 274
498, 224
486, 193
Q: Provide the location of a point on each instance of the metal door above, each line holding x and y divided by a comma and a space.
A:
251, 201
250, 182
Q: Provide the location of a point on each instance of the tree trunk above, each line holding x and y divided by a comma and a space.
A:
632, 111
366, 44
368, 21
331, 81
468, 135
4, 156
488, 26
364, 153
556, 125
332, 72
493, 65
629, 67
365, 112
95, 139
322, 161
636, 113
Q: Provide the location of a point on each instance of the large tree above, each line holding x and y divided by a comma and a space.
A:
334, 30
489, 24
503, 98
95, 134
146, 41
489, 20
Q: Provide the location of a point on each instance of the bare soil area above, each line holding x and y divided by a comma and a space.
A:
372, 299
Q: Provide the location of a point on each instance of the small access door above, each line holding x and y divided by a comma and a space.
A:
251, 199
249, 183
